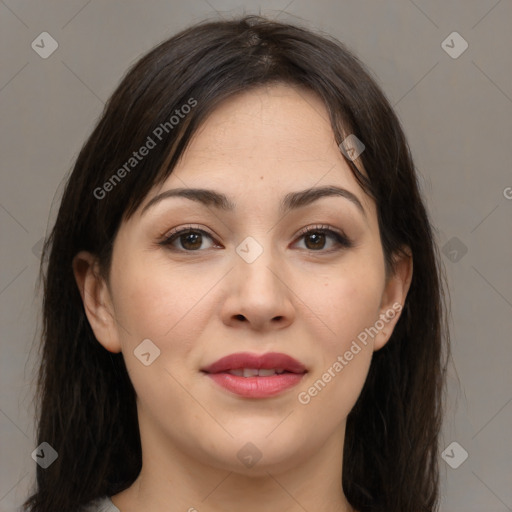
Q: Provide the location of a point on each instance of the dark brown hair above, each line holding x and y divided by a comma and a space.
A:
86, 402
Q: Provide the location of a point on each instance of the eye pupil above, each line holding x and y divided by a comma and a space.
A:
191, 237
318, 240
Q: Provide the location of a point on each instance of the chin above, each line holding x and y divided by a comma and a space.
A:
257, 455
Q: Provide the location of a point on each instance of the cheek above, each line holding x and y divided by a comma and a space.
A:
349, 308
346, 300
348, 303
153, 300
164, 306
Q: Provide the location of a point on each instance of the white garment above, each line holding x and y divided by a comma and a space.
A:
100, 505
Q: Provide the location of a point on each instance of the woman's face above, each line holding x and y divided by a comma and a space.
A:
248, 280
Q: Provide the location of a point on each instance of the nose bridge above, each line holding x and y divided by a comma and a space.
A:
260, 294
255, 259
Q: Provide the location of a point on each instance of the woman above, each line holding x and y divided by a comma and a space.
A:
232, 320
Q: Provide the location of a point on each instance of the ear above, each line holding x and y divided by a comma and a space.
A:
97, 301
394, 295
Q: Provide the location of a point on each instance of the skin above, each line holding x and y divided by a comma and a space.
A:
309, 301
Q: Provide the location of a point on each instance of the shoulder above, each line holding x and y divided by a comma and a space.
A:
103, 504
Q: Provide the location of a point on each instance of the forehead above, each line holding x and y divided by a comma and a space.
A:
263, 143
273, 121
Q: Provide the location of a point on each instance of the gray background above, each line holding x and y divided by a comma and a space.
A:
456, 113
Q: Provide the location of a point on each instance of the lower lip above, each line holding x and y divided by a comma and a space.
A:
257, 387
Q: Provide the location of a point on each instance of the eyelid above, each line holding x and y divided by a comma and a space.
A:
339, 235
165, 239
320, 227
341, 239
186, 227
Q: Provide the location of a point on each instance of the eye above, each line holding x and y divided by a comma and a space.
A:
315, 238
189, 238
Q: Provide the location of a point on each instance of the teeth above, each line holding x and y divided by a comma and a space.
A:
254, 372
266, 372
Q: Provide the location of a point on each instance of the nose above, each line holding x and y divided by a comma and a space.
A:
260, 296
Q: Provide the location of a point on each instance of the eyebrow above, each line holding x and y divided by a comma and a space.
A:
291, 201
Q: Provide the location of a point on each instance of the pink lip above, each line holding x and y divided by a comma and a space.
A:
256, 387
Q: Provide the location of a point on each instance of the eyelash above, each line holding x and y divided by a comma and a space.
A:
342, 241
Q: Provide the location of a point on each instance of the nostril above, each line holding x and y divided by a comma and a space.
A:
240, 317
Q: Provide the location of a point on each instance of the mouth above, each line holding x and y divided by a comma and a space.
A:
244, 364
256, 376
255, 372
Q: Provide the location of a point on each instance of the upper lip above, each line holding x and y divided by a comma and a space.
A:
248, 360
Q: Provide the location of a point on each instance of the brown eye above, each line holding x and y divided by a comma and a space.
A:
191, 241
188, 239
316, 238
